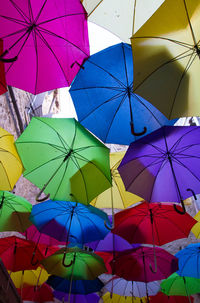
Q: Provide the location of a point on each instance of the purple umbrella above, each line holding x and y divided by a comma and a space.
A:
164, 165
45, 42
75, 298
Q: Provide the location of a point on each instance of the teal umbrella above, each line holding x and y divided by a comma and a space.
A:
64, 160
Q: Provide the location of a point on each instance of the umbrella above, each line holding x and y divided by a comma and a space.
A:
108, 298
167, 162
161, 297
176, 285
75, 298
11, 165
45, 43
104, 100
3, 87
66, 149
133, 264
166, 59
70, 221
123, 287
196, 228
188, 261
38, 294
82, 287
14, 212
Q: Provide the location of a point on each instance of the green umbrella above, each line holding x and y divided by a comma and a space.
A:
14, 212
54, 150
176, 285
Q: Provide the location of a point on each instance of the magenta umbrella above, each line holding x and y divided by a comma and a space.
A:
45, 42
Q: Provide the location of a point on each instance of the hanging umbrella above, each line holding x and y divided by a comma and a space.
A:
161, 297
108, 298
75, 298
133, 265
14, 212
3, 87
166, 162
37, 294
66, 148
70, 221
166, 59
196, 228
11, 165
44, 43
188, 261
104, 100
82, 287
123, 287
176, 285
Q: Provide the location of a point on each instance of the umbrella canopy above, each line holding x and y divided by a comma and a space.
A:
14, 212
166, 161
188, 261
70, 221
103, 96
196, 228
43, 43
90, 298
3, 87
68, 150
152, 223
38, 294
134, 265
115, 196
166, 59
74, 263
123, 287
19, 254
108, 298
82, 287
176, 285
161, 297
11, 165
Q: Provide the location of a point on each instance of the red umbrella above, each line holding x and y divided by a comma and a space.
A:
37, 294
152, 223
133, 264
19, 254
3, 87
161, 297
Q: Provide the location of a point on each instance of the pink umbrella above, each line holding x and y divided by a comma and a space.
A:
45, 42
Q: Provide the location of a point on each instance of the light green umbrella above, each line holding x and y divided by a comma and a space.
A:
60, 156
14, 212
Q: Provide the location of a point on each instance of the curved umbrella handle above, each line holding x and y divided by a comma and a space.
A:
108, 227
7, 60
179, 211
38, 199
193, 193
137, 134
80, 65
32, 262
63, 261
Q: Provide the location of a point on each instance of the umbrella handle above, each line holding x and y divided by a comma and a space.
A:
32, 262
108, 227
179, 211
7, 60
63, 261
137, 134
155, 263
80, 65
38, 199
189, 189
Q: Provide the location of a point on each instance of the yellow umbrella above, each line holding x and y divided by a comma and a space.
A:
115, 196
29, 277
120, 299
166, 53
196, 228
10, 164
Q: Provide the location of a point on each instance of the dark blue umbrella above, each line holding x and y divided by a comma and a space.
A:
103, 96
63, 297
83, 287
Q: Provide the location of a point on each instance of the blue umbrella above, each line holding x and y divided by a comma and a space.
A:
83, 287
189, 261
64, 297
70, 221
103, 96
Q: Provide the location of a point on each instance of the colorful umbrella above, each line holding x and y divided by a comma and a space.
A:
166, 59
133, 265
37, 294
44, 43
14, 212
161, 297
108, 298
167, 162
103, 96
76, 298
82, 287
70, 221
11, 165
66, 149
188, 261
3, 87
196, 228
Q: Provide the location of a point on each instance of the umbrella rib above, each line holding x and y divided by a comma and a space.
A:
189, 22
6, 174
40, 11
115, 88
57, 147
62, 16
62, 178
22, 13
190, 129
180, 150
18, 21
183, 165
125, 67
36, 58
10, 154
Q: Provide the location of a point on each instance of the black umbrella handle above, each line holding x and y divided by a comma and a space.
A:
108, 227
193, 193
7, 60
179, 211
38, 199
32, 262
63, 261
137, 134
